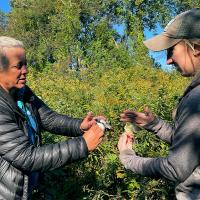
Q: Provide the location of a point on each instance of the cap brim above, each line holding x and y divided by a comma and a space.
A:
161, 42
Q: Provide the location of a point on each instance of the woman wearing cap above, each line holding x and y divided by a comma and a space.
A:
181, 39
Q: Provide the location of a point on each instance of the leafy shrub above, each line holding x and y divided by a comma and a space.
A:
107, 92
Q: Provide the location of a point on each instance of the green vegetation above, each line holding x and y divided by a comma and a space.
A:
101, 176
80, 63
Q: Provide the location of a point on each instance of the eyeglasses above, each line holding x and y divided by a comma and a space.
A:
21, 64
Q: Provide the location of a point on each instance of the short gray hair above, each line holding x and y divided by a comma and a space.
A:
7, 42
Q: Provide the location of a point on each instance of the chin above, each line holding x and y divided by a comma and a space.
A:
20, 86
187, 75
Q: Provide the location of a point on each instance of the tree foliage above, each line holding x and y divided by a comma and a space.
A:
3, 22
80, 33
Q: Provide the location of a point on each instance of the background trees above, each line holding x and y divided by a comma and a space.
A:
80, 33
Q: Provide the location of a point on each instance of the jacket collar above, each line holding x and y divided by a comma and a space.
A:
195, 82
10, 101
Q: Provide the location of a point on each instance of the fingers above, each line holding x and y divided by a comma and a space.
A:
93, 137
130, 113
129, 139
139, 118
147, 111
87, 122
100, 117
90, 119
124, 138
132, 116
128, 116
97, 130
89, 116
100, 140
91, 122
121, 142
124, 142
129, 134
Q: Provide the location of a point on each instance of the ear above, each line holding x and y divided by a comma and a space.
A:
196, 52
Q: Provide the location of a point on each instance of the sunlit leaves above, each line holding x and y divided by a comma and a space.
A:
109, 92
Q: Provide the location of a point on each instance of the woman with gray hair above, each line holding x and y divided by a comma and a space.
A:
181, 39
22, 118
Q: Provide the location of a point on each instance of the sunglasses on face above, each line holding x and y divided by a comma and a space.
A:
170, 52
21, 64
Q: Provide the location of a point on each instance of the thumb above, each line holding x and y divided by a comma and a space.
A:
89, 116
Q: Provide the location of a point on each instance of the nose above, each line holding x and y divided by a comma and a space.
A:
170, 61
24, 69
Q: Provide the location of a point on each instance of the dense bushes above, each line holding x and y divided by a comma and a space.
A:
108, 92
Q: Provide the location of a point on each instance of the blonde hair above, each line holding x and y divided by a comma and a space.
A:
192, 42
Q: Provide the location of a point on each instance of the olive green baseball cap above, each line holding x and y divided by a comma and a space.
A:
184, 26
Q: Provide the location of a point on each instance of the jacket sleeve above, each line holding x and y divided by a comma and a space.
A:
56, 123
161, 128
19, 152
184, 152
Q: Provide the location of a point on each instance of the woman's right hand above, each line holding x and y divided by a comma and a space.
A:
93, 137
139, 118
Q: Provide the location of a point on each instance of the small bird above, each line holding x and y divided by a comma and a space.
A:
104, 125
131, 128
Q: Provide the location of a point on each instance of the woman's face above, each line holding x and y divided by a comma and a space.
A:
183, 58
15, 75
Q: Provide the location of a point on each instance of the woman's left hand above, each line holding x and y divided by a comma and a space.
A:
126, 141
